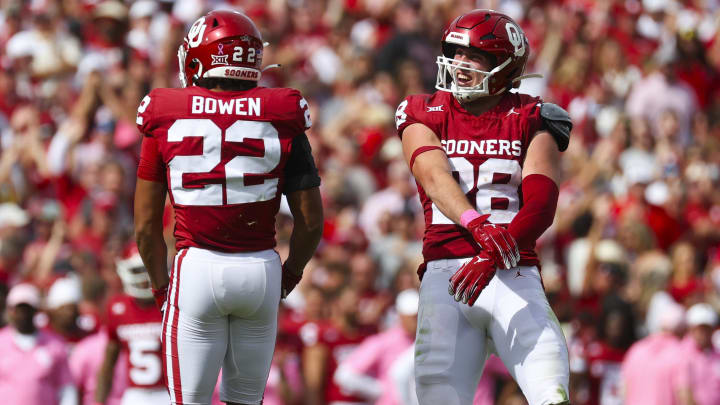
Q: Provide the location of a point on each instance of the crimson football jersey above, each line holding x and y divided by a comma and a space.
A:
339, 345
604, 373
486, 153
137, 328
222, 156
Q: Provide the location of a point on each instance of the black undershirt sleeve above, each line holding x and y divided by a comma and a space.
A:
300, 170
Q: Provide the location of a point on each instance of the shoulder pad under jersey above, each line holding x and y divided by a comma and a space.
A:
556, 121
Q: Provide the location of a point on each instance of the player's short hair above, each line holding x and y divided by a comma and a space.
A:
226, 84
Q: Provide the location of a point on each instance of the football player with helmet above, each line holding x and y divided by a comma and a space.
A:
223, 149
133, 324
486, 161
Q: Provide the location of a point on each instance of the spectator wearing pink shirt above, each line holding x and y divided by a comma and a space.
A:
85, 362
649, 364
366, 372
33, 364
285, 384
697, 374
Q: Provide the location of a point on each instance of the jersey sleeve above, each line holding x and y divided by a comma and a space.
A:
303, 113
406, 114
151, 166
415, 109
144, 119
290, 106
533, 119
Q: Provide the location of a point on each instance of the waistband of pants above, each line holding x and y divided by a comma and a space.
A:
246, 257
442, 264
455, 263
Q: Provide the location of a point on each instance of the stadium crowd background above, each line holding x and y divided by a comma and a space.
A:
636, 239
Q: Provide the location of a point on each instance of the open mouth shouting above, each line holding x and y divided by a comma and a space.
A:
463, 78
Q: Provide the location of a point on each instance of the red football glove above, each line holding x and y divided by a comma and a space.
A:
471, 278
289, 281
495, 240
160, 297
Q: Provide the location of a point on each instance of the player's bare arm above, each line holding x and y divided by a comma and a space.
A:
540, 174
314, 360
149, 207
543, 157
432, 169
107, 370
307, 211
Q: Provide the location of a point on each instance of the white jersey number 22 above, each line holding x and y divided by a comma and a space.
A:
235, 170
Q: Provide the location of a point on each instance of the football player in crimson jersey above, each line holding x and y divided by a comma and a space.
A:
134, 324
486, 161
327, 344
224, 149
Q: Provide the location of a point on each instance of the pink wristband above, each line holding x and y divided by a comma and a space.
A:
468, 216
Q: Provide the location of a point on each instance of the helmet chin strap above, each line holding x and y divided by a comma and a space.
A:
274, 65
528, 76
466, 97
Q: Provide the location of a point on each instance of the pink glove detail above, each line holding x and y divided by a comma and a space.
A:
468, 216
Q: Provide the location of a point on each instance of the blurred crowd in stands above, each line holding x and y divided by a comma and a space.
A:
631, 264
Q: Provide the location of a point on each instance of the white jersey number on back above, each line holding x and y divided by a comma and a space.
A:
235, 170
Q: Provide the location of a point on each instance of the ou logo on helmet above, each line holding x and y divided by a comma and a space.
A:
196, 32
515, 36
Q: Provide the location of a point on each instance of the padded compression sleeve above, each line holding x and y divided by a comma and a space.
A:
300, 170
540, 196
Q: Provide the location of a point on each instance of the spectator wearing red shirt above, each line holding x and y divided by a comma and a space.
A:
334, 341
686, 285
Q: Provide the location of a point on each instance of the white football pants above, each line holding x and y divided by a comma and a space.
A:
511, 318
222, 312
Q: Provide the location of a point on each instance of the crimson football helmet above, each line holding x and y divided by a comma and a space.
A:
134, 276
490, 32
223, 44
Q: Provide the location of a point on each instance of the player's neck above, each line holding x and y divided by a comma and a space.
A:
482, 104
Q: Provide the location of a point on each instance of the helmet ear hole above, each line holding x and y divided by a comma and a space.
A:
215, 23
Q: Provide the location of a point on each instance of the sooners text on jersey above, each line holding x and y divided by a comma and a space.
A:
137, 328
486, 154
222, 156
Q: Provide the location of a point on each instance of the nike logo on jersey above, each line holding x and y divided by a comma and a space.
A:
484, 147
512, 111
438, 108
